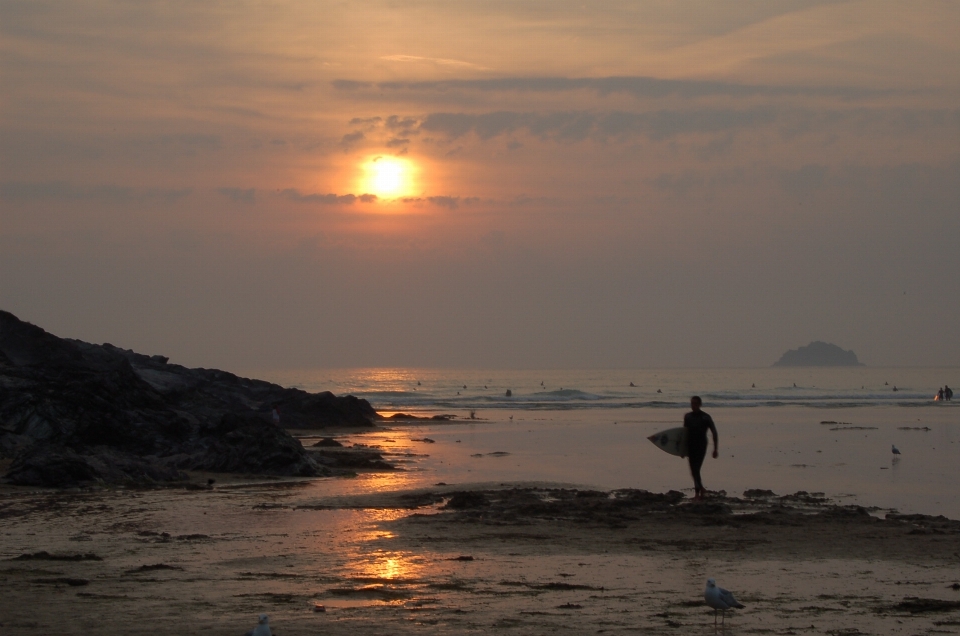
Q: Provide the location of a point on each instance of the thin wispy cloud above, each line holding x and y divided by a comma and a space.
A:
434, 60
292, 194
635, 86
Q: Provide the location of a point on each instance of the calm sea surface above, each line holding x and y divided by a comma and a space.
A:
436, 390
819, 430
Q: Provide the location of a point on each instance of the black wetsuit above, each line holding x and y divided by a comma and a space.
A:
697, 424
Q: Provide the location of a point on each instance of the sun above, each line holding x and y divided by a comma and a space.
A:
389, 177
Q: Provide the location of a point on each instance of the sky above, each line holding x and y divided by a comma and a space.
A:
552, 184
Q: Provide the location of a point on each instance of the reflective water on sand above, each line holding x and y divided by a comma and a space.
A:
210, 561
784, 449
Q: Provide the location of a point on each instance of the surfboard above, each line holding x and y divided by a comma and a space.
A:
673, 441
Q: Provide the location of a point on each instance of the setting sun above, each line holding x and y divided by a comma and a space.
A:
389, 177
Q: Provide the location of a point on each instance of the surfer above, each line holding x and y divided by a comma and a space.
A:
697, 423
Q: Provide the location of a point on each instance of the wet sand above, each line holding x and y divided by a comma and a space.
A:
511, 560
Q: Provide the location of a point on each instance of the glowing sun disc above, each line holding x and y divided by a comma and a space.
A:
388, 177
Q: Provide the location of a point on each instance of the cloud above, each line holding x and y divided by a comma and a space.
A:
579, 125
239, 195
640, 87
435, 60
397, 142
666, 124
448, 202
404, 124
352, 138
892, 182
366, 121
20, 191
327, 199
350, 85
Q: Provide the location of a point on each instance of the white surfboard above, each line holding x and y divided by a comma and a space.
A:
673, 441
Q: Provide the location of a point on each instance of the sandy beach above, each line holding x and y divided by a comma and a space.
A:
515, 558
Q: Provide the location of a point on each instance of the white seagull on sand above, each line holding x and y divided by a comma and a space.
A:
262, 628
894, 449
719, 599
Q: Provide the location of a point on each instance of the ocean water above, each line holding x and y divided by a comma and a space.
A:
440, 390
831, 433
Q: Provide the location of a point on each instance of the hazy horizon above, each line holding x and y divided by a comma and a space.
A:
518, 185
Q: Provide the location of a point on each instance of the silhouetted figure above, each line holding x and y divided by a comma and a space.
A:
753, 386
940, 395
895, 389
697, 424
947, 392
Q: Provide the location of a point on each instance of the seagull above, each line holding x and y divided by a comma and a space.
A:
719, 599
894, 449
262, 628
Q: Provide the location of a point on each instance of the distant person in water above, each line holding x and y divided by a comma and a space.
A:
940, 395
947, 393
697, 423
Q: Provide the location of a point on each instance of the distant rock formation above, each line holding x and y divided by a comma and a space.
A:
818, 354
73, 413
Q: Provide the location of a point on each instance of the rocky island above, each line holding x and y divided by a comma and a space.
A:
818, 354
73, 413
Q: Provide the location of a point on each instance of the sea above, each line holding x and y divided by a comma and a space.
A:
818, 430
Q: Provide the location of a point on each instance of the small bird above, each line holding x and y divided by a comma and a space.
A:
262, 628
719, 599
894, 449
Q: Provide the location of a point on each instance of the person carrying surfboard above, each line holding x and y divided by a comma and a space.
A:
697, 423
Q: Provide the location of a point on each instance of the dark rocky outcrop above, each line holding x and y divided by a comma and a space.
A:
73, 413
61, 466
818, 354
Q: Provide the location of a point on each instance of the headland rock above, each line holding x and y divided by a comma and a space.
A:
72, 413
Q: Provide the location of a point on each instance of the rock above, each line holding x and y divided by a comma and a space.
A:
758, 493
916, 605
250, 444
329, 442
818, 354
43, 555
74, 413
467, 499
351, 458
212, 390
62, 467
